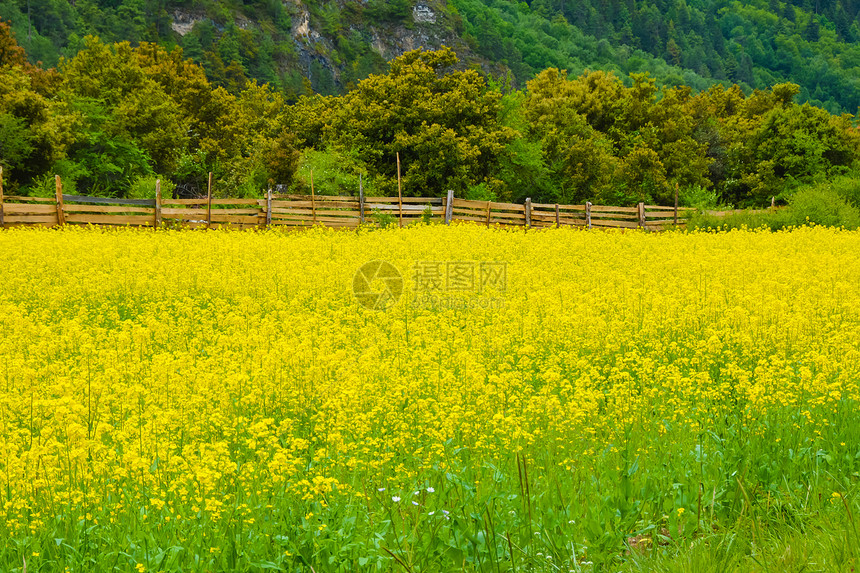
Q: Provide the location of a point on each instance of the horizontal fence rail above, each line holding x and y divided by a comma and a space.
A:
339, 211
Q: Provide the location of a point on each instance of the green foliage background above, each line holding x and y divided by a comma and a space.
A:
755, 44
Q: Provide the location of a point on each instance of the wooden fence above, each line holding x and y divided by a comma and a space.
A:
332, 211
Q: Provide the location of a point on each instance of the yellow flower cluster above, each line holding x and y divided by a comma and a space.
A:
217, 376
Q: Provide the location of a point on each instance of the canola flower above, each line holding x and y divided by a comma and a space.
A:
220, 400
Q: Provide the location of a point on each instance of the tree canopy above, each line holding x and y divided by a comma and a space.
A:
115, 116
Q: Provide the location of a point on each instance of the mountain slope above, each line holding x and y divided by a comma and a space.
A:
326, 46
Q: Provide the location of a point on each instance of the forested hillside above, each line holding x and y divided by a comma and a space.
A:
524, 103
753, 43
326, 46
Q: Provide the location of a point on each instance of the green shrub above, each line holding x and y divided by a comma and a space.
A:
334, 173
43, 186
383, 219
848, 188
823, 205
749, 219
826, 204
144, 187
480, 192
427, 215
699, 197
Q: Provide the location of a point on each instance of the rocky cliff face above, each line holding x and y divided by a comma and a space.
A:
332, 57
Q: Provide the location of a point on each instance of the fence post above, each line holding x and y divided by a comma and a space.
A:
269, 208
557, 224
313, 200
157, 203
676, 203
488, 213
61, 216
773, 202
209, 203
588, 214
399, 192
2, 222
449, 207
360, 200
641, 212
528, 212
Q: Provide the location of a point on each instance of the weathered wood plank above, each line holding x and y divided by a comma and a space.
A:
406, 208
209, 202
606, 209
234, 226
460, 214
217, 212
52, 219
20, 199
620, 224
105, 209
183, 213
184, 201
543, 215
406, 200
667, 223
292, 222
320, 212
449, 205
460, 209
236, 201
360, 199
23, 209
464, 204
664, 208
512, 218
424, 200
318, 198
108, 200
618, 216
667, 214
157, 219
31, 224
247, 220
551, 206
468, 218
353, 205
573, 222
508, 207
61, 220
137, 220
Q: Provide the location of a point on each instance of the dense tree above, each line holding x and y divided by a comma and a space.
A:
755, 44
114, 114
35, 130
610, 143
11, 54
443, 122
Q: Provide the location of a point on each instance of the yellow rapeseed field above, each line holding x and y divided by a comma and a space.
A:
207, 401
